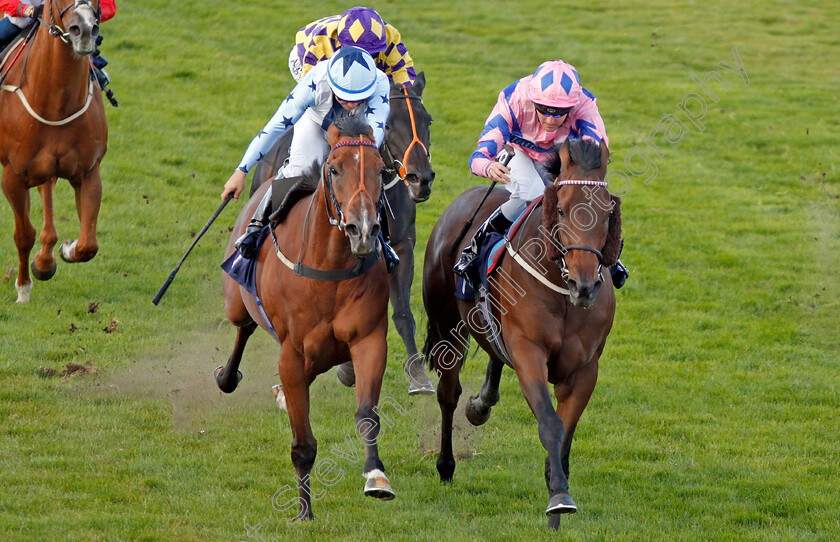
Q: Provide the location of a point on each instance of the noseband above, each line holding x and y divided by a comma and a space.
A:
55, 30
564, 249
397, 166
340, 222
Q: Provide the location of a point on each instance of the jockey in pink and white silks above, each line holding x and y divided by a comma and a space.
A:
349, 80
532, 115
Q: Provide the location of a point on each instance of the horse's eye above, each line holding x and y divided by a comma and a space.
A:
560, 212
387, 127
333, 171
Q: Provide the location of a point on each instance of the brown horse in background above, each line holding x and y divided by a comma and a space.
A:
553, 319
322, 323
52, 124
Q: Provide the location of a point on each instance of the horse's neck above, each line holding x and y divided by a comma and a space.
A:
534, 245
54, 77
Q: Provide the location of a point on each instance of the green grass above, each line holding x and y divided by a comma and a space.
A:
716, 413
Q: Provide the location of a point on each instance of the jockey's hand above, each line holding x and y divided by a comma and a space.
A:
499, 173
235, 185
28, 11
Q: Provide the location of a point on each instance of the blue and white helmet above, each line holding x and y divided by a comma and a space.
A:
352, 74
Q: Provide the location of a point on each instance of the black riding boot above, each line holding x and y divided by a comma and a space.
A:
497, 222
618, 271
247, 243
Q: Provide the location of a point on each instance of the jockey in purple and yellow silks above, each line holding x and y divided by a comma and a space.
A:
360, 27
532, 115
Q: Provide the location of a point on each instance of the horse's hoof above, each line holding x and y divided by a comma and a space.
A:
279, 396
418, 381
42, 275
378, 486
23, 292
225, 384
346, 374
66, 251
561, 503
475, 416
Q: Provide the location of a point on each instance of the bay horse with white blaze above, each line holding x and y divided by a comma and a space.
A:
409, 178
549, 308
321, 313
52, 125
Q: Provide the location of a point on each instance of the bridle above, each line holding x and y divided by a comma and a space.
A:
337, 219
565, 249
397, 166
55, 30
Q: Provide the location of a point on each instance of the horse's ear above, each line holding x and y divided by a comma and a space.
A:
605, 159
565, 158
419, 83
612, 247
333, 135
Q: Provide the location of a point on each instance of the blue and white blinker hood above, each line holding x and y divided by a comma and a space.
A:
352, 74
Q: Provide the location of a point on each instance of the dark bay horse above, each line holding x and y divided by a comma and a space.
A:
52, 124
548, 302
321, 323
409, 182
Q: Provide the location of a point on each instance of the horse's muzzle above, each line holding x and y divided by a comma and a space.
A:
420, 185
363, 237
583, 293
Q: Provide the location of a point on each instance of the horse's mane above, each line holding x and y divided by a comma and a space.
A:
352, 124
349, 125
586, 154
583, 152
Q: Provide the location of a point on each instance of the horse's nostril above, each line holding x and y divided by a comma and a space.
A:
572, 283
352, 230
374, 230
74, 30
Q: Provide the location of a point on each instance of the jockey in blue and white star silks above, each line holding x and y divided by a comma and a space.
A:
349, 80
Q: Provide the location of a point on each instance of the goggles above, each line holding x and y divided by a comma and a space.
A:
555, 112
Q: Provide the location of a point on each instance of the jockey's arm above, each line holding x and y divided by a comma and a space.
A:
108, 8
16, 8
395, 60
378, 108
289, 112
494, 136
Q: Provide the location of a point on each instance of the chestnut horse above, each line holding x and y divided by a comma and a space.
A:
52, 124
321, 323
408, 182
546, 300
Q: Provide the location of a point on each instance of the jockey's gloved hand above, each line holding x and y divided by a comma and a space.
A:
39, 10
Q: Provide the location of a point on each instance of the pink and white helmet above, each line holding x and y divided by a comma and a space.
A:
555, 84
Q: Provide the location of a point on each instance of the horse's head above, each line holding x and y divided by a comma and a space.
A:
353, 173
407, 139
80, 20
583, 218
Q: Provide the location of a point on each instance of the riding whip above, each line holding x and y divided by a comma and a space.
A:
504, 157
171, 276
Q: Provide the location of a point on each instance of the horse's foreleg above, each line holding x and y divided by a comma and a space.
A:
304, 445
478, 407
369, 358
88, 198
400, 294
14, 188
229, 376
43, 266
572, 398
532, 371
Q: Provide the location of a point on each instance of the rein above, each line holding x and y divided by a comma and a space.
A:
401, 173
